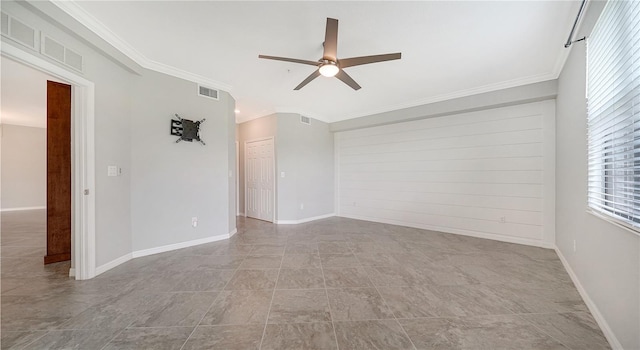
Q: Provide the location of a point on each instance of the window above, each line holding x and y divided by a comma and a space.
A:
613, 95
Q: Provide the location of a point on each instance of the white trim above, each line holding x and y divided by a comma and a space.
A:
595, 312
113, 263
241, 214
140, 253
614, 221
549, 171
22, 208
37, 125
238, 178
485, 235
337, 138
72, 272
83, 158
175, 246
105, 33
301, 221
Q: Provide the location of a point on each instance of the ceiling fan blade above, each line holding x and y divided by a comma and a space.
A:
286, 59
347, 80
357, 61
331, 40
315, 74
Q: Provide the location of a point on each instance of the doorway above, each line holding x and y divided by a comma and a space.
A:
260, 179
82, 159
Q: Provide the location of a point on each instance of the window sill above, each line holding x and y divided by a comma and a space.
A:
633, 230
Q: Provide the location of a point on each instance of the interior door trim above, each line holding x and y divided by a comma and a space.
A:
83, 250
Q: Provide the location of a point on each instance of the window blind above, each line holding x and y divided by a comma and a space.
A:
613, 118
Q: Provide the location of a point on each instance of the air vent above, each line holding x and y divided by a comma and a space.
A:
62, 54
5, 24
72, 59
305, 120
18, 31
207, 92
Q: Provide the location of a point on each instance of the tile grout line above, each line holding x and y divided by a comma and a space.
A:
212, 303
326, 292
273, 295
542, 331
383, 300
115, 336
35, 340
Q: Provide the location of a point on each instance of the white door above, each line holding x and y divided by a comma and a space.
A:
260, 172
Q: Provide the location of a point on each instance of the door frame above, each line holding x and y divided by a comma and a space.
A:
83, 252
275, 172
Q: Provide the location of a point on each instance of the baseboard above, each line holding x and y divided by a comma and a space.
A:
604, 326
22, 208
235, 230
72, 272
301, 221
113, 263
484, 235
170, 247
240, 214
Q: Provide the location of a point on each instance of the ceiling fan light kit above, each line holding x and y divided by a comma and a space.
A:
329, 69
329, 65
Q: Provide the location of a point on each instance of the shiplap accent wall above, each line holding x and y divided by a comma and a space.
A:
461, 173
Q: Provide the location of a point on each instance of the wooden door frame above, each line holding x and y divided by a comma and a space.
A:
275, 172
82, 159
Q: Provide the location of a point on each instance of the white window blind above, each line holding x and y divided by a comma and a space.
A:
613, 95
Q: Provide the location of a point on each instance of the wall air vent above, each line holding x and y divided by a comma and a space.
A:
305, 120
18, 31
53, 49
207, 92
5, 24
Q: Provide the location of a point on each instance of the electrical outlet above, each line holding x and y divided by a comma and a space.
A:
503, 219
194, 221
574, 245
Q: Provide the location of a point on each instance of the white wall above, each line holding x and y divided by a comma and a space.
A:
173, 182
24, 167
459, 173
606, 261
305, 153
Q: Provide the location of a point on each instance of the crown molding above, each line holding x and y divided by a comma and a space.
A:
457, 94
93, 24
438, 98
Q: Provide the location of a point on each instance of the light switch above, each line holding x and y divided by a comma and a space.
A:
282, 174
112, 170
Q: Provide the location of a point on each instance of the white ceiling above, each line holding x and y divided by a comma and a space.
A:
24, 94
449, 48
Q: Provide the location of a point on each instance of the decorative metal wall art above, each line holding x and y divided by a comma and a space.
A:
186, 130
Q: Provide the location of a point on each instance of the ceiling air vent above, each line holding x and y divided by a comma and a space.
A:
305, 120
207, 92
60, 53
18, 31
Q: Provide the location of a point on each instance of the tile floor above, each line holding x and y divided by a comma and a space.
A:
331, 284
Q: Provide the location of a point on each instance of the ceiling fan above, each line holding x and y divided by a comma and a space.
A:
329, 65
